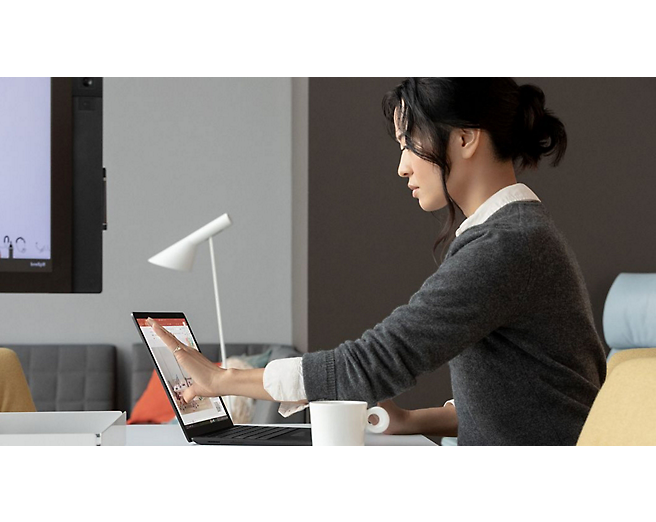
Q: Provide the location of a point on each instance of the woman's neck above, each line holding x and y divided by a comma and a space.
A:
484, 183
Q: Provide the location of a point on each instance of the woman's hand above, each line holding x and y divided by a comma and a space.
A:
398, 418
428, 421
206, 376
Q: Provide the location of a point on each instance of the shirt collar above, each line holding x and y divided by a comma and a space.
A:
509, 194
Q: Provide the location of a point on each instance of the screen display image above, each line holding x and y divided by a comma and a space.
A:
25, 174
177, 380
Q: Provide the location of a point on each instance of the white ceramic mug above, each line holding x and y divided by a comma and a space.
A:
343, 423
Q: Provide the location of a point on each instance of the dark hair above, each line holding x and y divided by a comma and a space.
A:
520, 127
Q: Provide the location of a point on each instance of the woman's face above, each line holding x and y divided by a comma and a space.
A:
424, 178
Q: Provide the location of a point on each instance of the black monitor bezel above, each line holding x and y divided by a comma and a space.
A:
190, 430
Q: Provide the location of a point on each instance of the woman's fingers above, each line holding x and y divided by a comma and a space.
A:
172, 343
196, 390
170, 340
190, 394
397, 417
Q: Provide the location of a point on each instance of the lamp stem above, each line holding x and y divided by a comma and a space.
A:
224, 359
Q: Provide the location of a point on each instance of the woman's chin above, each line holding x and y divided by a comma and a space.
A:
430, 206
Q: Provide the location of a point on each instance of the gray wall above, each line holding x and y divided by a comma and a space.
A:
180, 152
300, 121
370, 243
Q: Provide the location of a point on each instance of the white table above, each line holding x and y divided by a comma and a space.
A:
171, 435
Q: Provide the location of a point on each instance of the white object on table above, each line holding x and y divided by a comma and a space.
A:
344, 423
63, 428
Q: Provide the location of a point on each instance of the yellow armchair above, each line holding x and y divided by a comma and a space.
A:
14, 391
624, 412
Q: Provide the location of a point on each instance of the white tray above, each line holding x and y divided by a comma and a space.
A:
63, 428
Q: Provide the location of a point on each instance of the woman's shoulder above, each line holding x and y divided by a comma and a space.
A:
493, 251
509, 227
511, 236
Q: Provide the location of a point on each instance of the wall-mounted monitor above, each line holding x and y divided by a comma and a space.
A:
52, 185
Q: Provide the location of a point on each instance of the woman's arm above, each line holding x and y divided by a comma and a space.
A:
247, 383
480, 286
211, 381
442, 422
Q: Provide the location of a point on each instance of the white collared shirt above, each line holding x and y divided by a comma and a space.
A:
509, 194
283, 378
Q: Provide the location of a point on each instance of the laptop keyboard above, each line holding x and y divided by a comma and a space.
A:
254, 432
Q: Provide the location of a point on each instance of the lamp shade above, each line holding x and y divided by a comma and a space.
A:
181, 255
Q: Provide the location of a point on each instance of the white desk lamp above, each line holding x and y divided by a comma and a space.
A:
181, 255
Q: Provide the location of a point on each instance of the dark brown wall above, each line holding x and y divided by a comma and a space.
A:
602, 194
370, 243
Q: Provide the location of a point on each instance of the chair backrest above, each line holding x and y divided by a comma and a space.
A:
624, 412
629, 317
69, 377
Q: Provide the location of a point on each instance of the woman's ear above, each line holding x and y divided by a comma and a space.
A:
468, 141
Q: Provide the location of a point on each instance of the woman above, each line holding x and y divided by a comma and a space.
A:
507, 308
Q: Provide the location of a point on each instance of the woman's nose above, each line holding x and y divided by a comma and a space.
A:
404, 166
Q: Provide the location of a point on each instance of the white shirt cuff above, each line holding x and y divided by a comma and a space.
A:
283, 380
289, 408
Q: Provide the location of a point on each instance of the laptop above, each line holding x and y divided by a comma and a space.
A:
205, 420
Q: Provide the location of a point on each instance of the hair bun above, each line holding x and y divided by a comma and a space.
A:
531, 107
537, 132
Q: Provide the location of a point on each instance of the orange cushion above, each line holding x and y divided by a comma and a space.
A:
153, 407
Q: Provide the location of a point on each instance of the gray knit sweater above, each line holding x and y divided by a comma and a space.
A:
509, 311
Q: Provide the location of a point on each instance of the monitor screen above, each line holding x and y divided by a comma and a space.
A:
200, 410
25, 175
52, 185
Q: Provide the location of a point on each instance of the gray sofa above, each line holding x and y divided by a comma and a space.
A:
69, 377
84, 377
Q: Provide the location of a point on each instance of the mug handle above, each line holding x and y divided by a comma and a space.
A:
383, 419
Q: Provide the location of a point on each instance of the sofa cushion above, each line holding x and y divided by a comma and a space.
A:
69, 377
629, 312
153, 407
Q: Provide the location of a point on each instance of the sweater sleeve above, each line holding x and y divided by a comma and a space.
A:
478, 288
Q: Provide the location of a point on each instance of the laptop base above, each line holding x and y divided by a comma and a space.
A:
246, 435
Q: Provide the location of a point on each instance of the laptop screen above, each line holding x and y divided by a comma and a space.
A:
201, 410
